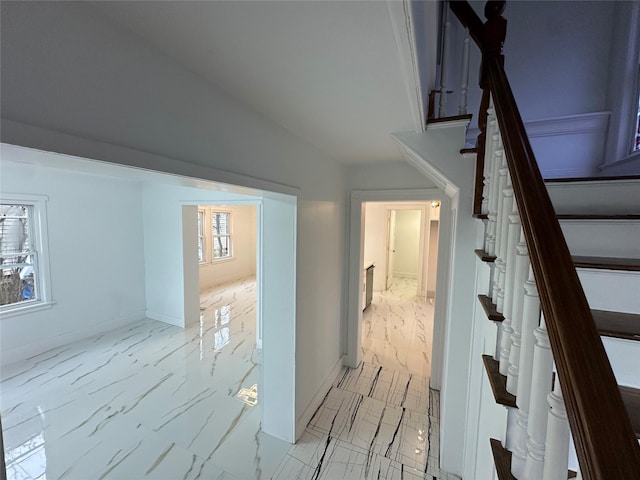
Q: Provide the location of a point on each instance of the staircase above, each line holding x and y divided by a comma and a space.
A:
558, 278
605, 249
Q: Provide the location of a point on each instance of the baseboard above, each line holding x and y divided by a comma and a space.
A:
23, 352
303, 420
166, 318
412, 276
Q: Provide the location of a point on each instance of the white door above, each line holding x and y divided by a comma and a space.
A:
391, 246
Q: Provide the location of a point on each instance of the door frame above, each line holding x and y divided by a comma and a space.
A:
353, 356
423, 241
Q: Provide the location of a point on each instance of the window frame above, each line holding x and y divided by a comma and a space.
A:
209, 238
229, 235
624, 89
39, 244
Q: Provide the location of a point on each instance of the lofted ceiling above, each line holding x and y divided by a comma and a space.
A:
341, 75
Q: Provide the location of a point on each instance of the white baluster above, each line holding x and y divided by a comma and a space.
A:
443, 63
464, 84
556, 459
530, 320
500, 272
520, 262
493, 192
538, 406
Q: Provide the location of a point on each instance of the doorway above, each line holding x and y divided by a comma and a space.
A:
436, 205
274, 227
397, 326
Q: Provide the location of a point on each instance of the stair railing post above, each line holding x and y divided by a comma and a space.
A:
538, 407
491, 182
556, 459
464, 83
443, 64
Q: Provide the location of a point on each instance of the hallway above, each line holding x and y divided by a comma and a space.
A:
379, 421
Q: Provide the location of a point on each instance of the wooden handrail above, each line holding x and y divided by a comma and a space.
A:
605, 442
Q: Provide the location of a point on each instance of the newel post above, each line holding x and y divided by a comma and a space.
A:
493, 35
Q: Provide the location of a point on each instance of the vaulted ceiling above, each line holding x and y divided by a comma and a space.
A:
340, 75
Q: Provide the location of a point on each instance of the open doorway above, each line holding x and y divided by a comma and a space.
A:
401, 240
400, 246
227, 244
441, 302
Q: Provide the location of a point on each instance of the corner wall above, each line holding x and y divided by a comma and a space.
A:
95, 256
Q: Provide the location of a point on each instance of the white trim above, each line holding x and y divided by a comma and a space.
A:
24, 308
165, 318
403, 31
594, 122
405, 275
427, 169
317, 399
104, 156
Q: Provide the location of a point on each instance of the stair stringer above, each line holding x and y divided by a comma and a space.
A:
436, 154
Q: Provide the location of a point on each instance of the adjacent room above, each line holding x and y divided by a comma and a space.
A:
130, 343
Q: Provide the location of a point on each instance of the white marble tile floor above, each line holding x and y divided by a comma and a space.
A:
381, 420
157, 401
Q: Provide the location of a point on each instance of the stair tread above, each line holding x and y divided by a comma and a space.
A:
607, 263
502, 460
498, 382
598, 216
490, 309
631, 400
449, 119
617, 324
591, 179
484, 256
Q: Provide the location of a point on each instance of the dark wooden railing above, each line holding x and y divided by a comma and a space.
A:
606, 445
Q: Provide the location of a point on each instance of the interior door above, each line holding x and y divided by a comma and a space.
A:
391, 246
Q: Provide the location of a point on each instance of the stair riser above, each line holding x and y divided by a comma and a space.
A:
617, 291
605, 197
624, 356
603, 238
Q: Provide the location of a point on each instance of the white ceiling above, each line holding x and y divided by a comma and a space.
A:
332, 72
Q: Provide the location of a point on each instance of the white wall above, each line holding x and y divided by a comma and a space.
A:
243, 261
407, 243
74, 83
558, 59
96, 257
436, 153
375, 241
163, 248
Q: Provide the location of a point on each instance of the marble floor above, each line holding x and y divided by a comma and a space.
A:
157, 401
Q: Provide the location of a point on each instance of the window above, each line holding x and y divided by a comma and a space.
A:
201, 236
23, 255
636, 141
215, 243
221, 234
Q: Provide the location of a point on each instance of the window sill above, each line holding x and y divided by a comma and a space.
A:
217, 261
25, 309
